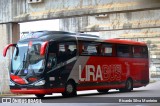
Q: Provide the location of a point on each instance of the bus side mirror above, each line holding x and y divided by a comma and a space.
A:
43, 48
6, 49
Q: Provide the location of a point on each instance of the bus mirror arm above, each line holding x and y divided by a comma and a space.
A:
43, 48
6, 49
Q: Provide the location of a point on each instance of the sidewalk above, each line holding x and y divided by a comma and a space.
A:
151, 86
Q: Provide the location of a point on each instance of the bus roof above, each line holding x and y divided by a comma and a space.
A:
121, 41
66, 36
57, 36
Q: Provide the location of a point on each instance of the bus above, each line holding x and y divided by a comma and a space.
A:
49, 62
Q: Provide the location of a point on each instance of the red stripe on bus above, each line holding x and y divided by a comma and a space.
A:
37, 91
99, 87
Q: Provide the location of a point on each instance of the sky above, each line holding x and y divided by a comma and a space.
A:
51, 25
40, 25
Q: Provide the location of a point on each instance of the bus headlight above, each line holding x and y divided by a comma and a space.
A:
42, 82
11, 83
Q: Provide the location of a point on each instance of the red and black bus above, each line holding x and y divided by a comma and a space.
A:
62, 62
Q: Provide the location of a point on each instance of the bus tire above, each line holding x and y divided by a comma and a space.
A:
40, 95
103, 90
70, 89
128, 86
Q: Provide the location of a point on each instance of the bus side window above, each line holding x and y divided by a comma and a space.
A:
74, 52
52, 60
85, 49
123, 50
90, 49
67, 50
145, 52
107, 50
52, 55
137, 51
71, 50
61, 52
140, 52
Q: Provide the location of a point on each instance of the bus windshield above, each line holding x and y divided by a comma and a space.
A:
27, 60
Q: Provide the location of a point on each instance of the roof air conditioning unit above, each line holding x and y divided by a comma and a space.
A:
35, 1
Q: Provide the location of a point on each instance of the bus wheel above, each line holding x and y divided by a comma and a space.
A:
103, 90
70, 90
39, 95
128, 86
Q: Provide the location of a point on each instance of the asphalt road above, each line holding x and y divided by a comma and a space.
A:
144, 96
